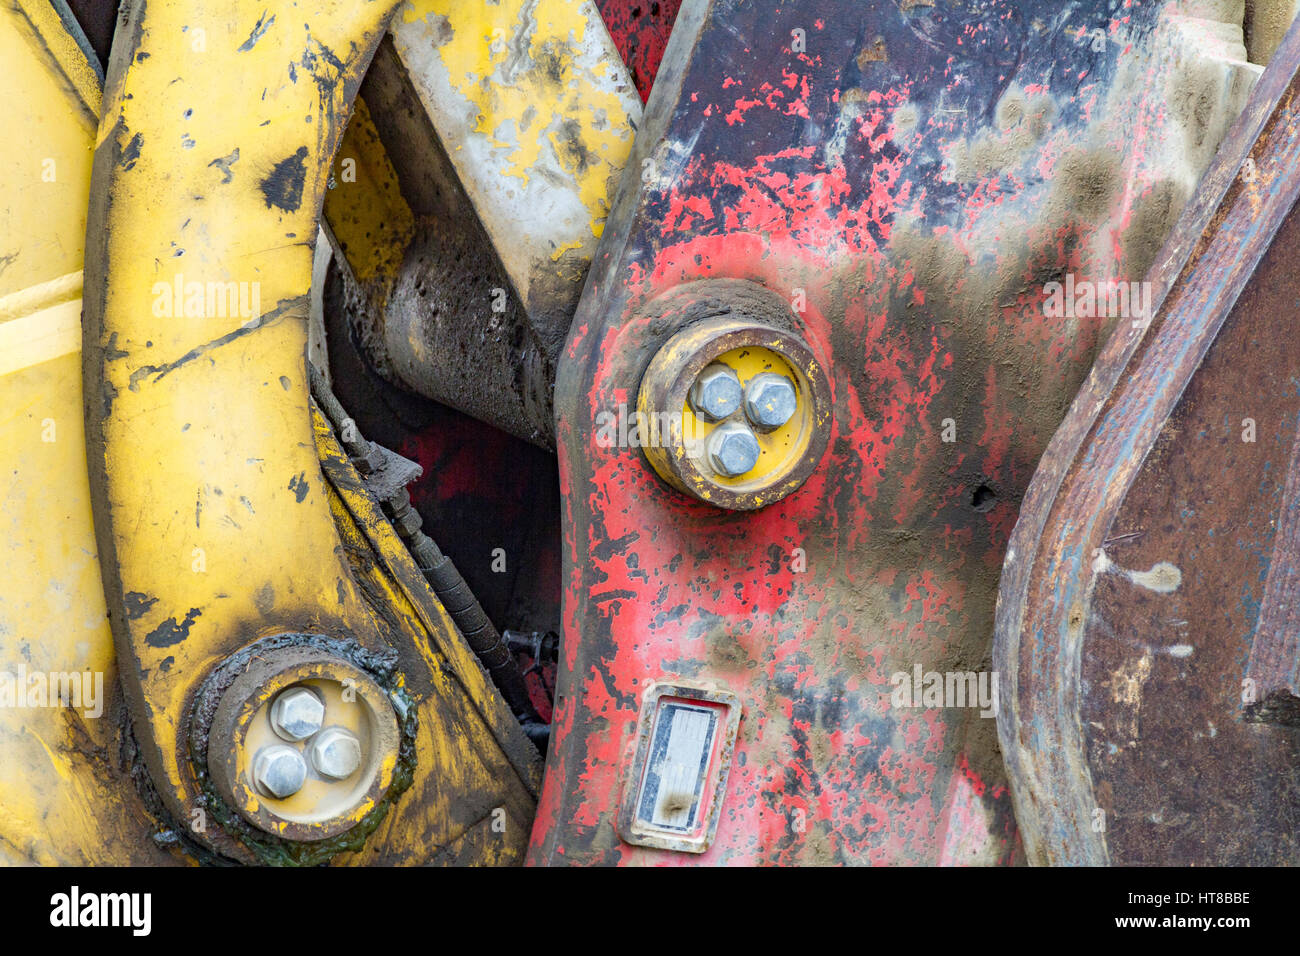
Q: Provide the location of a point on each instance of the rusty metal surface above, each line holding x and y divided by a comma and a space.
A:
911, 178
1145, 625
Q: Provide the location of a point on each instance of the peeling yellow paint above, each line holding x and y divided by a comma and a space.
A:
59, 803
524, 101
538, 113
564, 247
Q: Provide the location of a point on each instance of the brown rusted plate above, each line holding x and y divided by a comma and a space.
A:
1145, 638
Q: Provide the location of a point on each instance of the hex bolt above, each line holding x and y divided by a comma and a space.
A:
279, 771
732, 449
770, 400
716, 393
336, 753
297, 713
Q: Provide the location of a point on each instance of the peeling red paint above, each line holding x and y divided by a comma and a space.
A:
796, 178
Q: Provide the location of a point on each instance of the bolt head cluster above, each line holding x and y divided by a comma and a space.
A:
298, 715
769, 400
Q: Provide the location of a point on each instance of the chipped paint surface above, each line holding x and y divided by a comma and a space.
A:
914, 178
65, 796
193, 440
41, 226
640, 30
537, 114
216, 523
1162, 578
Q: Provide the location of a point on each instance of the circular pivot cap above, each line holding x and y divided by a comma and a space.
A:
766, 448
316, 786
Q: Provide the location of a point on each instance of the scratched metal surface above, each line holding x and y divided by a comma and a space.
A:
920, 171
1147, 644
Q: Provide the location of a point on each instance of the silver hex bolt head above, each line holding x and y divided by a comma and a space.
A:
716, 393
279, 771
297, 713
336, 753
770, 400
732, 450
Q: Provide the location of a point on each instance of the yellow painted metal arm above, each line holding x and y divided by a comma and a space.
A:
64, 797
472, 194
538, 111
212, 516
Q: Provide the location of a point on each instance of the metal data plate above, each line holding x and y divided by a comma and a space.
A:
677, 781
